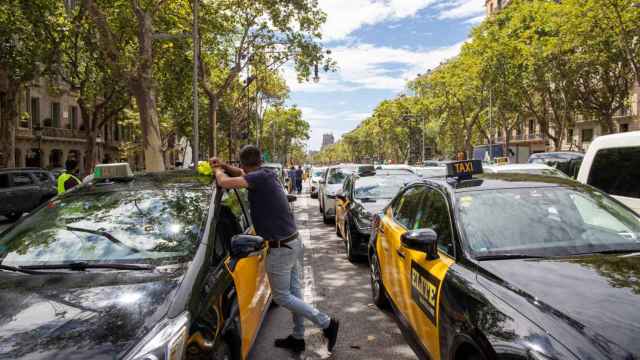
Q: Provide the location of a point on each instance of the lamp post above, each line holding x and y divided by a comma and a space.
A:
196, 56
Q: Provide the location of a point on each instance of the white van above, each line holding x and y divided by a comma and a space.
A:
612, 164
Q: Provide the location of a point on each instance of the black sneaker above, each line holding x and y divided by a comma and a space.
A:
331, 333
291, 343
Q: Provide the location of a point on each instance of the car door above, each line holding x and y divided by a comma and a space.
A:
25, 191
423, 278
46, 184
249, 275
399, 218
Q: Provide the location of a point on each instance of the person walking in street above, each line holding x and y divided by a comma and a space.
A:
299, 174
66, 180
274, 221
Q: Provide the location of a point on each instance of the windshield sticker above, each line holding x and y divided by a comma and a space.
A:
424, 291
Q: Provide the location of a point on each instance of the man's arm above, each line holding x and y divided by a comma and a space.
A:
229, 169
227, 182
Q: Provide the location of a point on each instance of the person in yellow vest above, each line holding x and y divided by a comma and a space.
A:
67, 181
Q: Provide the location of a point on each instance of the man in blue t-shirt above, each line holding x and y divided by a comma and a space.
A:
274, 221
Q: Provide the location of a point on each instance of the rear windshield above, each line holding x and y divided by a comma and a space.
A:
380, 187
617, 171
151, 226
338, 175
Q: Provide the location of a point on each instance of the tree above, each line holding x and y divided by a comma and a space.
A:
237, 34
22, 52
286, 130
128, 49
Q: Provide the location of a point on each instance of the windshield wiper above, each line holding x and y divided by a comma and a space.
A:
20, 269
507, 256
81, 266
104, 234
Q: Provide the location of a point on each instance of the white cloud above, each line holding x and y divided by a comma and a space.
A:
325, 121
475, 20
366, 66
462, 9
346, 16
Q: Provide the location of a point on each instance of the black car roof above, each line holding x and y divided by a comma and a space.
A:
485, 182
187, 179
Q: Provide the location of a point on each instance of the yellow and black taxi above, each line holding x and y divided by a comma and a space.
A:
509, 266
364, 194
145, 267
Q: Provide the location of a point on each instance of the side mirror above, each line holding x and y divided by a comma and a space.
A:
243, 246
423, 240
291, 198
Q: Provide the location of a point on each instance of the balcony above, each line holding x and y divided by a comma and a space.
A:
49, 133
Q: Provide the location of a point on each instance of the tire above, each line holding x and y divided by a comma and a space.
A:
325, 218
338, 234
233, 340
378, 292
223, 352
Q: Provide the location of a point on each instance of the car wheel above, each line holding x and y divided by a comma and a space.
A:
325, 218
233, 340
378, 292
223, 352
338, 234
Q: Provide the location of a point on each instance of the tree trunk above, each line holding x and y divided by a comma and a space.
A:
212, 114
606, 123
8, 121
91, 156
150, 123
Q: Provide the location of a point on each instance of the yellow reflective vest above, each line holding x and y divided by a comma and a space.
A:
63, 178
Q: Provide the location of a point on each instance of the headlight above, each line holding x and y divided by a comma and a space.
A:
167, 341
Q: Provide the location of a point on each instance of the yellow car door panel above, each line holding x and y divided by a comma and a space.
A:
426, 276
249, 276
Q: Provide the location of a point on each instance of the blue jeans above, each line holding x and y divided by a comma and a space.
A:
284, 268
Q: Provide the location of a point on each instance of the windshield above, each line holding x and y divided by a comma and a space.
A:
545, 222
380, 187
338, 175
317, 173
149, 226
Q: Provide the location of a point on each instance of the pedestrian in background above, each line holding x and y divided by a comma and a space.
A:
292, 179
274, 221
299, 174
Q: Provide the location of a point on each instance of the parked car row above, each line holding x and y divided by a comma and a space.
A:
24, 189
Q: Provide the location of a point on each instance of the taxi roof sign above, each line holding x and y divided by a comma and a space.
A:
464, 170
113, 171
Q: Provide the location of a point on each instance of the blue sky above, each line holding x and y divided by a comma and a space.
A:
378, 45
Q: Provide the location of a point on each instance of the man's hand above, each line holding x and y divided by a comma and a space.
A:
217, 163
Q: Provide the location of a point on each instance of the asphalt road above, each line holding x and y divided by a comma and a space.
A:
338, 287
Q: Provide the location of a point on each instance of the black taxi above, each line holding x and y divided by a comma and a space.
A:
509, 266
145, 267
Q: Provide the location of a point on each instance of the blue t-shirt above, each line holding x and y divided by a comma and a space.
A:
270, 212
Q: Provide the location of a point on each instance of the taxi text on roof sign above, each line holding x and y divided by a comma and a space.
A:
464, 169
113, 171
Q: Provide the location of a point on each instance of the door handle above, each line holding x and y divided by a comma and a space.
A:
400, 253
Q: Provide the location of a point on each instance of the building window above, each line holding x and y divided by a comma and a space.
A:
624, 128
34, 109
55, 115
73, 110
587, 135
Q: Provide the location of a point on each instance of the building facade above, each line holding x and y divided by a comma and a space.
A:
51, 131
493, 6
327, 139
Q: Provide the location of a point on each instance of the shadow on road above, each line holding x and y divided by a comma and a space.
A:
341, 289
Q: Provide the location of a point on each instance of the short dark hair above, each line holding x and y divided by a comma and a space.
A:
250, 156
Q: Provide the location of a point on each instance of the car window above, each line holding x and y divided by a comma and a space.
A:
43, 177
345, 186
4, 181
22, 179
380, 187
434, 214
408, 206
616, 171
231, 201
159, 226
243, 194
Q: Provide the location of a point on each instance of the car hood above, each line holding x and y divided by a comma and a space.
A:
80, 316
590, 304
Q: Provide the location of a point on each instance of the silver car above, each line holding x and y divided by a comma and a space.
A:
334, 176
